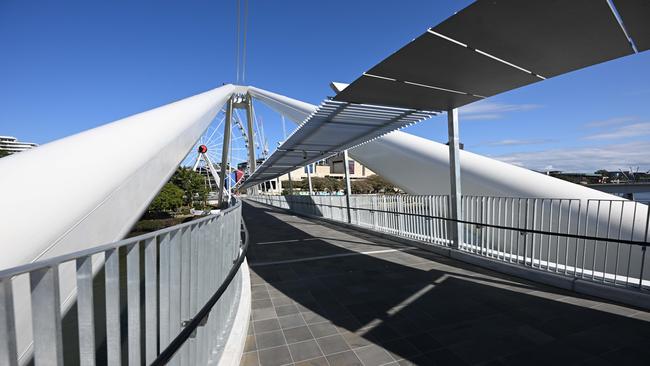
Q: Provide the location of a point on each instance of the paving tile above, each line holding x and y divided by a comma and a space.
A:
305, 350
344, 359
249, 359
275, 356
270, 339
291, 321
297, 334
320, 361
355, 340
311, 317
265, 313
260, 296
283, 310
261, 304
373, 355
322, 329
250, 344
266, 325
333, 344
282, 301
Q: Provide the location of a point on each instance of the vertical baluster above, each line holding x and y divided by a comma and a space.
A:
163, 290
85, 311
113, 338
557, 242
500, 247
609, 217
185, 244
568, 231
8, 355
630, 247
151, 295
584, 241
133, 302
593, 262
46, 316
174, 276
644, 249
618, 237
525, 226
510, 205
194, 256
548, 237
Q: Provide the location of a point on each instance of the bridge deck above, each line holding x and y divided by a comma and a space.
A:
327, 295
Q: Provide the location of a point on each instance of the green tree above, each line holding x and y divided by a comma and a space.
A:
333, 184
170, 198
318, 184
297, 184
381, 185
4, 153
193, 185
361, 186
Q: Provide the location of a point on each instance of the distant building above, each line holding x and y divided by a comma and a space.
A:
12, 145
330, 167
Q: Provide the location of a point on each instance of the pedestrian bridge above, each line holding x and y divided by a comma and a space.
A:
455, 271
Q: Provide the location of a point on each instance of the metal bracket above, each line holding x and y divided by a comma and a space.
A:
203, 322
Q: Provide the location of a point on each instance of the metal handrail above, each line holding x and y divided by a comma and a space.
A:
169, 352
152, 267
599, 240
482, 224
24, 268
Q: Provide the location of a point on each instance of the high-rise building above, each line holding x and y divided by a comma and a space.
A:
11, 145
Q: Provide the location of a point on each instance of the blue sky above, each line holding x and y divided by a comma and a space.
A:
69, 66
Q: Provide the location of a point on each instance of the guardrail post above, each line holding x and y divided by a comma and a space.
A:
8, 354
227, 126
348, 188
454, 177
46, 316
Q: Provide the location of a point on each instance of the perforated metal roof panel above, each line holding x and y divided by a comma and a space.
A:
635, 15
493, 46
547, 37
435, 61
332, 128
367, 89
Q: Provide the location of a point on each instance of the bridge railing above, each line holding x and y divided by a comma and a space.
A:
166, 295
598, 240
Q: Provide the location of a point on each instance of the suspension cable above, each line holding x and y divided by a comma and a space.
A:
243, 65
238, 41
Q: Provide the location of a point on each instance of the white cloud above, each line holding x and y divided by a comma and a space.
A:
633, 130
485, 110
611, 121
585, 159
516, 142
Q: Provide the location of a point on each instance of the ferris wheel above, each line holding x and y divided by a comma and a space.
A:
205, 156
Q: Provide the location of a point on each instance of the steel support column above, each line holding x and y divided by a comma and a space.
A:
348, 187
454, 178
290, 185
227, 126
252, 163
311, 190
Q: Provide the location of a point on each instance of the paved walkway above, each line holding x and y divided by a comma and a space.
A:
326, 295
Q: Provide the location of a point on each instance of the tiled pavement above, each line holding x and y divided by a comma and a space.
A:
325, 295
